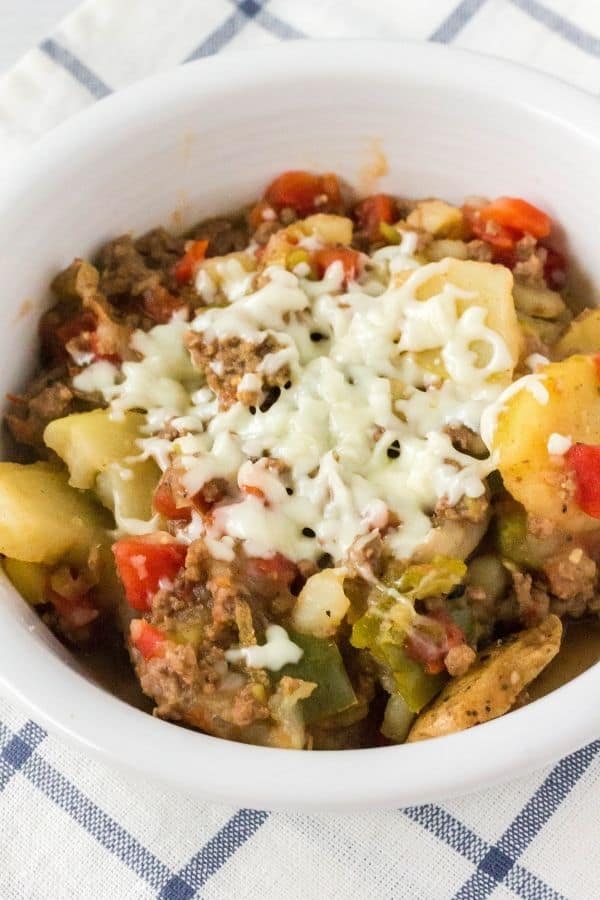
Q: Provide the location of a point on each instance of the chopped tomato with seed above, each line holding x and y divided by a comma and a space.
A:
165, 504
277, 568
150, 641
501, 238
350, 260
304, 192
430, 643
584, 461
143, 563
374, 210
185, 269
517, 214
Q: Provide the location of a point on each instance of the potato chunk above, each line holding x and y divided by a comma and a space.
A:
438, 218
43, 519
89, 442
490, 688
535, 478
582, 335
491, 287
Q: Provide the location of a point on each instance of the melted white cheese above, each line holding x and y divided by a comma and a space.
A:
334, 477
279, 651
558, 444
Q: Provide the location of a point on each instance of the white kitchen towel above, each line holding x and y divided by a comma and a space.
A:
74, 828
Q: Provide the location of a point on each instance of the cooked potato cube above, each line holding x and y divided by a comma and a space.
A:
542, 303
131, 487
490, 688
43, 519
582, 335
89, 442
30, 579
440, 219
491, 287
572, 409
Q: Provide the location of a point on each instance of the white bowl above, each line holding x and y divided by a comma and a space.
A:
204, 139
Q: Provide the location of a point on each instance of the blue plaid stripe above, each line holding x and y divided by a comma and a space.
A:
495, 864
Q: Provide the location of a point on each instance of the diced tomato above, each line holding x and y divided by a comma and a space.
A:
164, 503
149, 640
555, 269
160, 304
304, 192
502, 239
185, 269
584, 462
277, 568
372, 211
430, 644
75, 612
350, 260
143, 563
517, 215
210, 494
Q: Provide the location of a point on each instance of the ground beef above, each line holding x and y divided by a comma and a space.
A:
468, 509
532, 600
124, 272
48, 397
572, 581
465, 440
480, 251
226, 362
459, 660
531, 259
223, 235
160, 249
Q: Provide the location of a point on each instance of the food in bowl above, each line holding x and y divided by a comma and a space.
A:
319, 463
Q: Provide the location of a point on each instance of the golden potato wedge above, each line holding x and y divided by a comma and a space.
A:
538, 302
490, 688
491, 287
535, 478
438, 218
582, 335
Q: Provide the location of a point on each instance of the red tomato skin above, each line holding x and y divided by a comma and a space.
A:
142, 564
500, 238
517, 214
350, 260
184, 269
372, 211
277, 568
584, 461
150, 641
164, 504
304, 192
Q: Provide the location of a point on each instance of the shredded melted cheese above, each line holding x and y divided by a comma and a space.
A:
357, 443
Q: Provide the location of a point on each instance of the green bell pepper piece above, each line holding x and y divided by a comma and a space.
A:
322, 663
